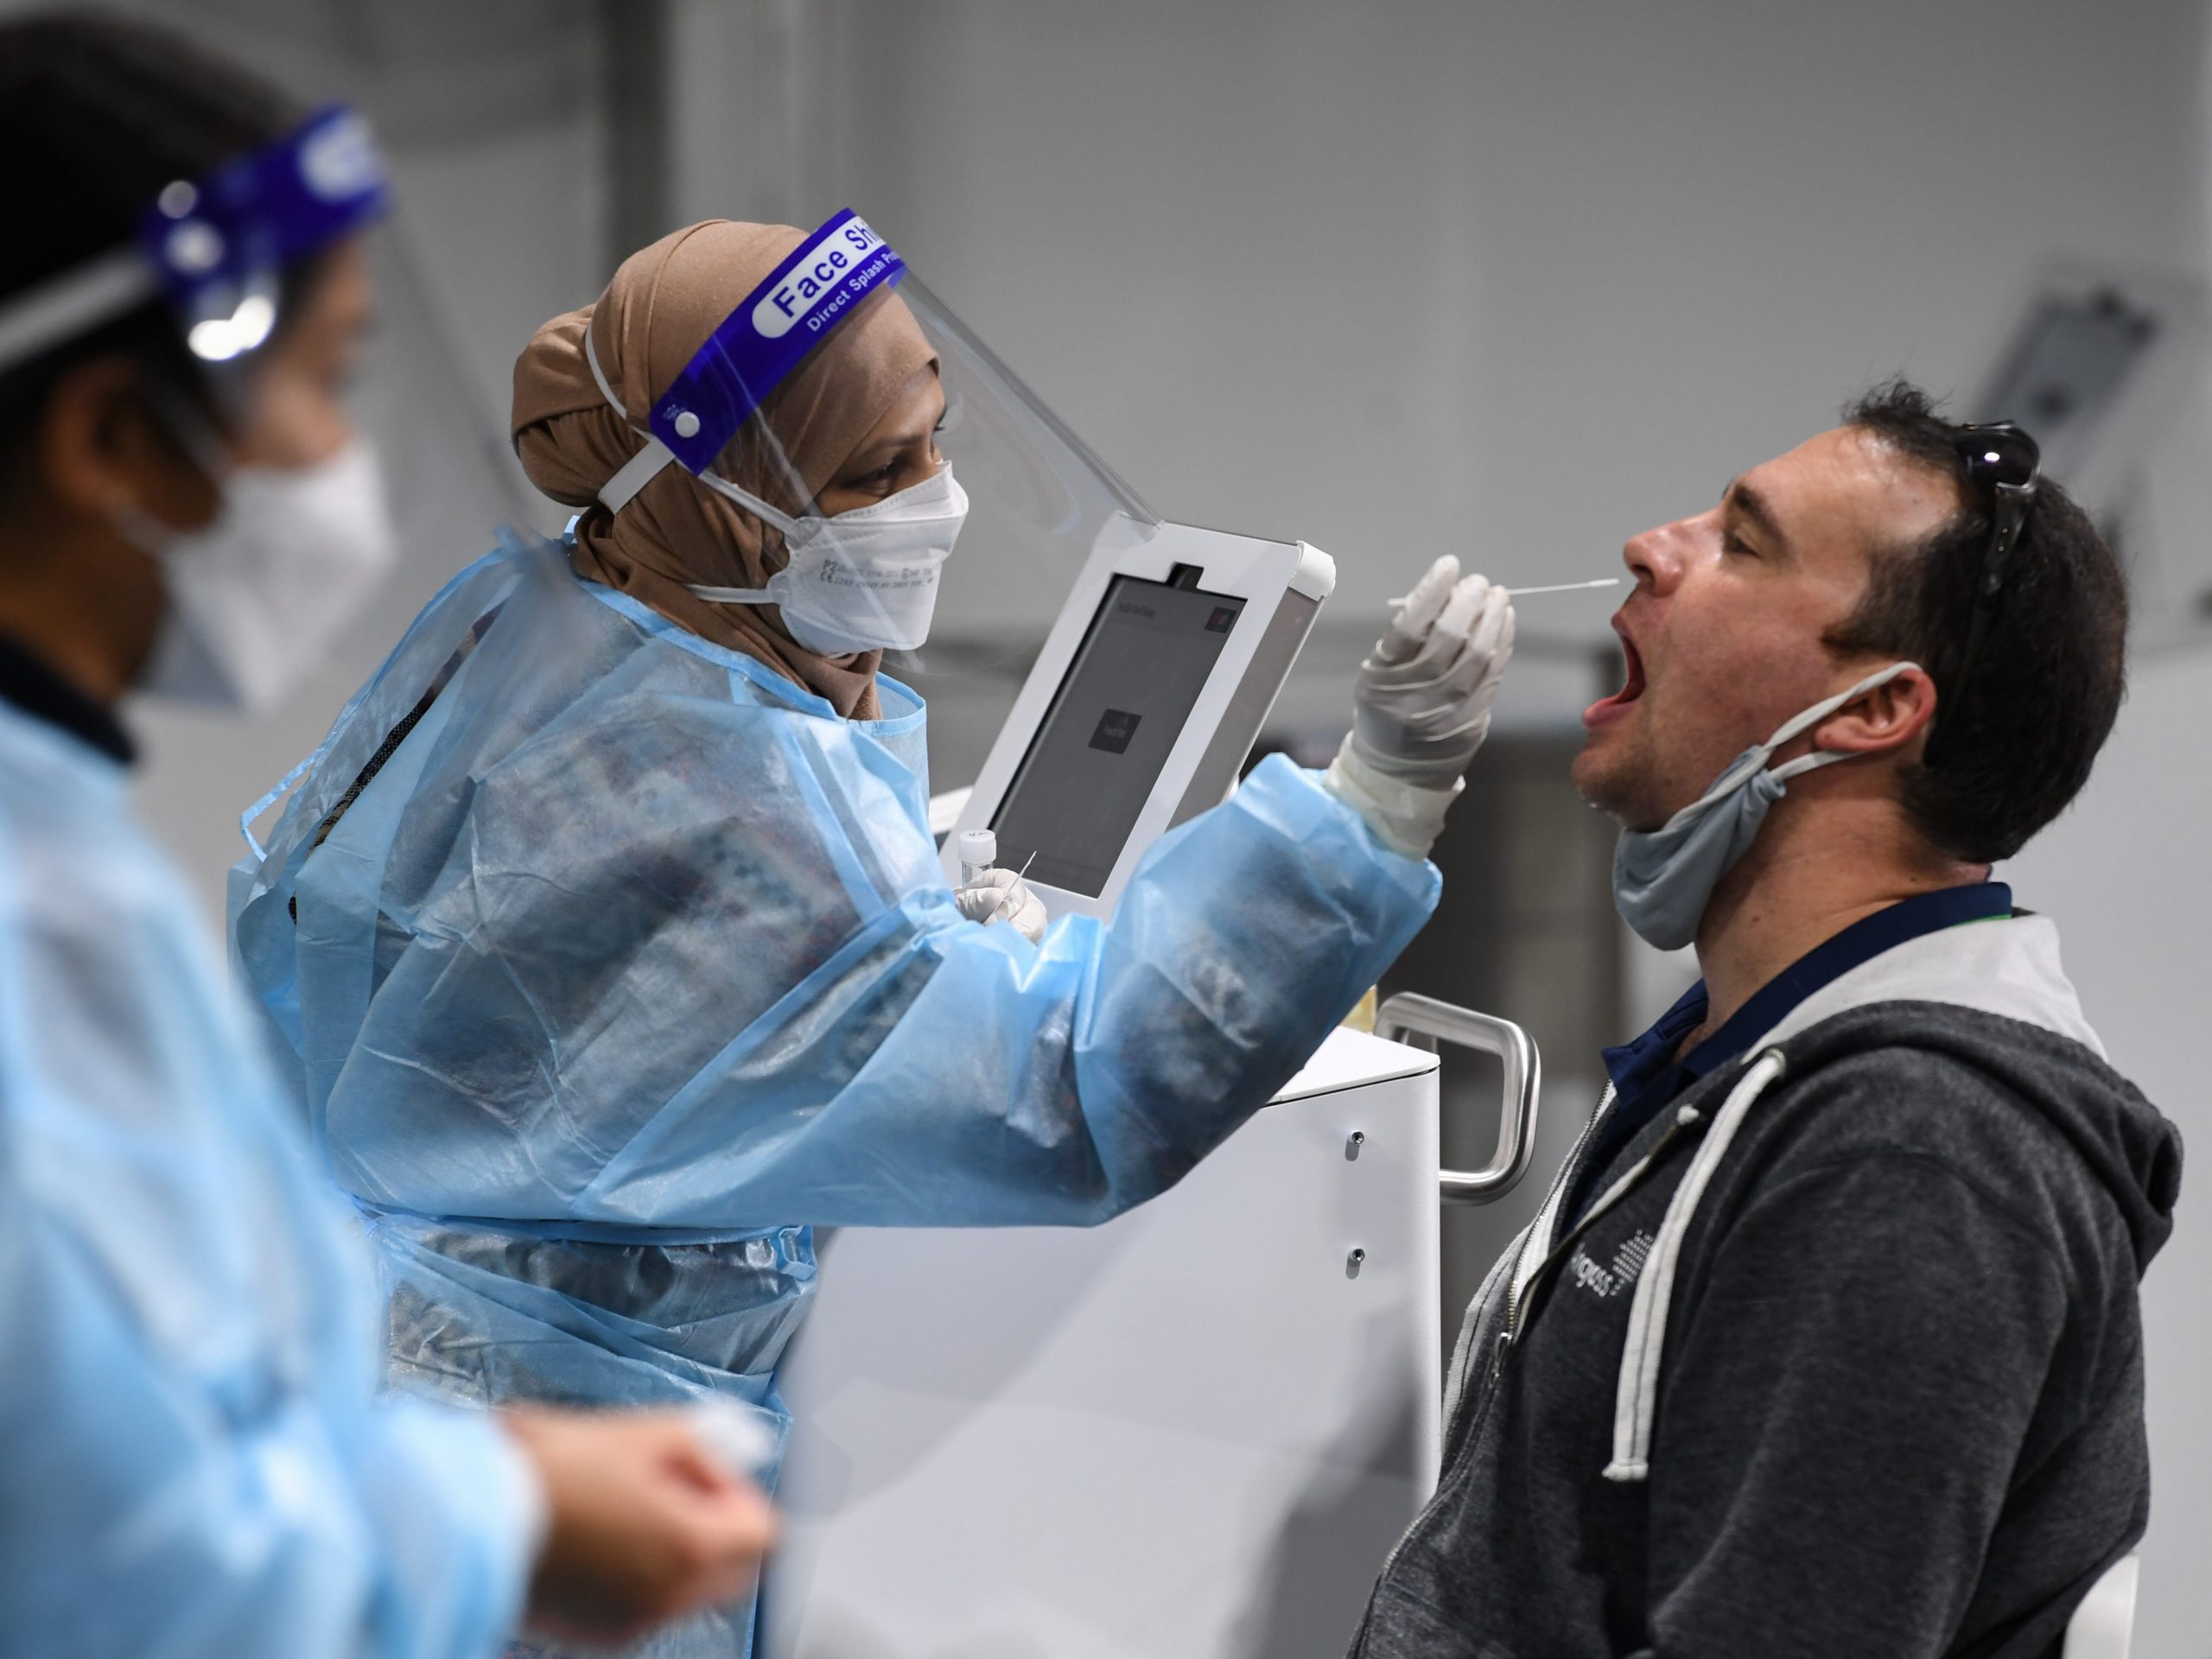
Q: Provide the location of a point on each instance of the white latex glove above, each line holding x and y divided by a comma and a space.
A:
735, 1436
1421, 703
1002, 896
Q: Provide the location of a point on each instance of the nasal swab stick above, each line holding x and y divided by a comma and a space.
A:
1564, 587
1556, 588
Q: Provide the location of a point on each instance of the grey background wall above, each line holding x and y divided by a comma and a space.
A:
1510, 280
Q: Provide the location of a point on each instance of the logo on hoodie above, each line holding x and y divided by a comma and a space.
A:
1627, 1269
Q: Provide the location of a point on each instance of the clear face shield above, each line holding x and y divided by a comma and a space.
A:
317, 352
218, 250
296, 588
259, 267
911, 495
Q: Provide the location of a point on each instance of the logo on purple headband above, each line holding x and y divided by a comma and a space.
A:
269, 208
769, 334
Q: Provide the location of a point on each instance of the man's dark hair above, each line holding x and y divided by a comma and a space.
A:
2050, 674
100, 114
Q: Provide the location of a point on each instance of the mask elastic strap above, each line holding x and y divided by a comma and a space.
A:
732, 595
647, 464
641, 469
201, 443
752, 503
1813, 716
1805, 763
1820, 711
1755, 759
193, 432
767, 515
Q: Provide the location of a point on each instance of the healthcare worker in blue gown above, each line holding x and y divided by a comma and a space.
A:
605, 941
196, 1460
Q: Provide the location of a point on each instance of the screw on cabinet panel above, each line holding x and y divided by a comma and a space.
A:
1353, 1143
1352, 1263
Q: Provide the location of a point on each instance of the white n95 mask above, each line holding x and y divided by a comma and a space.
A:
862, 580
257, 594
1664, 877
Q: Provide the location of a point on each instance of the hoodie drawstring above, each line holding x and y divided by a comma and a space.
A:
1636, 1400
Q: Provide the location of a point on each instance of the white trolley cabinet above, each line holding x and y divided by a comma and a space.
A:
1194, 1433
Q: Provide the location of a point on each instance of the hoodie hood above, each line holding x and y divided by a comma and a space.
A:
2009, 967
2045, 1051
2125, 1140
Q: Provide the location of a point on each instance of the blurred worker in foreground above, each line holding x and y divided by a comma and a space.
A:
1826, 1339
606, 936
196, 1465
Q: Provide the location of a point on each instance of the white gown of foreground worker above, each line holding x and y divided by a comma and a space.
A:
619, 961
195, 1462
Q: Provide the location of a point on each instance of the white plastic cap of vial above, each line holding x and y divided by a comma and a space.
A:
979, 847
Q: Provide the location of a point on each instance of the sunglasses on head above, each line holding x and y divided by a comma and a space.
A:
2004, 462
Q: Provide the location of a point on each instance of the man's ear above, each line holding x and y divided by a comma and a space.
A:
1892, 715
100, 451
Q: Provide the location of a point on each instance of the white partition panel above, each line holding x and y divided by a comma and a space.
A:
1191, 1434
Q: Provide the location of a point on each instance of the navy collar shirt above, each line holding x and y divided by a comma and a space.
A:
1650, 1073
27, 684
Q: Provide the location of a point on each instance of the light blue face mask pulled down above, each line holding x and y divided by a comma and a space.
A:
1663, 878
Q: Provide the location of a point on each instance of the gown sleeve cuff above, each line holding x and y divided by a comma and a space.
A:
475, 1518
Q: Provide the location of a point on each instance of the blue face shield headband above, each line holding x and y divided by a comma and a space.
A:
865, 580
1664, 877
753, 350
217, 248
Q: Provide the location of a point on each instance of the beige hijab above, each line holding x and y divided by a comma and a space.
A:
662, 304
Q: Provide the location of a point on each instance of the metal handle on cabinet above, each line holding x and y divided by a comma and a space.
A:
1422, 1023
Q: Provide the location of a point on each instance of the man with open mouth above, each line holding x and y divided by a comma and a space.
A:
1826, 1340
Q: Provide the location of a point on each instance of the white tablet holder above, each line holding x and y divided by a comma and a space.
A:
1152, 687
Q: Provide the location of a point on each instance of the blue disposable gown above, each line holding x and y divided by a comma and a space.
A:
196, 1464
609, 969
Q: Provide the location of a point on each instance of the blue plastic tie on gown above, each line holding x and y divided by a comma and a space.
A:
628, 934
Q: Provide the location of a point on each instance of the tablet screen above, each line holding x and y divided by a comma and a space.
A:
1091, 766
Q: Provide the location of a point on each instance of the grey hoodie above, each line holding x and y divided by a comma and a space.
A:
1845, 1359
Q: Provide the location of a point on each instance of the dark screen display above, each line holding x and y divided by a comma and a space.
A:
1094, 762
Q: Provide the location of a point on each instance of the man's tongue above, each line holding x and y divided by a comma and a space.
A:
1631, 686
